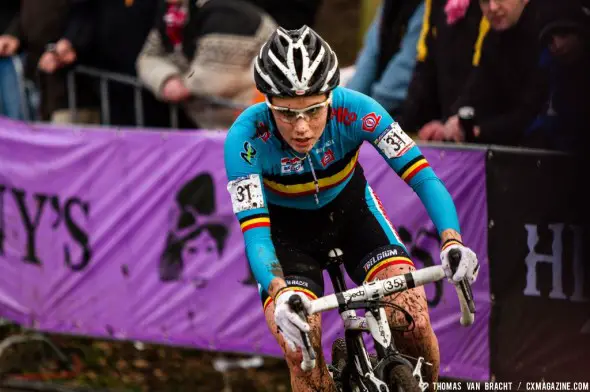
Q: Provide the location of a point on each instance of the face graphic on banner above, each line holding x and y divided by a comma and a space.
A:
195, 203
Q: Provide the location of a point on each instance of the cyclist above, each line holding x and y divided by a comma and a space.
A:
293, 161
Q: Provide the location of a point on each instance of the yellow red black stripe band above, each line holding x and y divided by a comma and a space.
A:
309, 188
396, 260
305, 291
254, 221
449, 242
413, 167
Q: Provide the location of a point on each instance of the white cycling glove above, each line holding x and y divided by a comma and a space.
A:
468, 266
289, 322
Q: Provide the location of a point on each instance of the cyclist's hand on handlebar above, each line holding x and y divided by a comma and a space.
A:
468, 266
290, 323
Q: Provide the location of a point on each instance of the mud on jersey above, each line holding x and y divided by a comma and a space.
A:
262, 169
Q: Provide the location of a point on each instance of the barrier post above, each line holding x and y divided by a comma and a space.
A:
138, 99
71, 81
174, 116
104, 101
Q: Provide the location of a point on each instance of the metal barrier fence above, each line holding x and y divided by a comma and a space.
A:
106, 77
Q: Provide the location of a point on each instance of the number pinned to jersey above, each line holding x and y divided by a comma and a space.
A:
246, 193
394, 142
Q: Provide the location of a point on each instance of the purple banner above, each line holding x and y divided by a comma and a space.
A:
131, 235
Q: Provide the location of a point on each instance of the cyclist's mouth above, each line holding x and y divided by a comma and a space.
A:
302, 142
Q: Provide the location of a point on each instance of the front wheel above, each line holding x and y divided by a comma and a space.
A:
342, 375
402, 380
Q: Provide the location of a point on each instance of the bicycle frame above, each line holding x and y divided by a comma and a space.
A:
355, 326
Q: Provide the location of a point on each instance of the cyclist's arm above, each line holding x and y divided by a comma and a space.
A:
406, 159
242, 165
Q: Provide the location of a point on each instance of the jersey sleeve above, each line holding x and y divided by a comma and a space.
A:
376, 126
242, 164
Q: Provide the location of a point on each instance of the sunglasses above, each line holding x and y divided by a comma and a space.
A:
309, 113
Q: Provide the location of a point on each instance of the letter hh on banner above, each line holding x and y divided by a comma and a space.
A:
554, 259
536, 268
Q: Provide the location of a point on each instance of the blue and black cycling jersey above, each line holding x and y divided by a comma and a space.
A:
263, 170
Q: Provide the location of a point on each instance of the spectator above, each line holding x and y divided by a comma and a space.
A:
204, 49
509, 87
119, 30
566, 43
448, 50
37, 28
10, 77
384, 67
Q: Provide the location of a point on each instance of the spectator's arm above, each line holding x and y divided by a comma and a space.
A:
153, 68
365, 68
81, 24
421, 104
392, 88
509, 127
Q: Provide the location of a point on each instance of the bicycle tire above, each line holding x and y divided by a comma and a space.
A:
339, 353
340, 362
339, 359
402, 380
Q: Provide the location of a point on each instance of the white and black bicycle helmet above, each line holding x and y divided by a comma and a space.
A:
296, 63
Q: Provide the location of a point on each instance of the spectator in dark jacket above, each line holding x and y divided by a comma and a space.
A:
118, 29
565, 39
509, 87
448, 49
42, 30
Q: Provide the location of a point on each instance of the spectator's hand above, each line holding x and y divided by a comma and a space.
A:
8, 45
49, 62
434, 130
476, 131
453, 131
174, 90
65, 51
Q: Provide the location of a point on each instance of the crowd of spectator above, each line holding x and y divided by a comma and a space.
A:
508, 72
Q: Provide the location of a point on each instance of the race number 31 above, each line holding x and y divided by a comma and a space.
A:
394, 142
246, 193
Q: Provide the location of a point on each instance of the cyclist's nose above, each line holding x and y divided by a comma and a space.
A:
300, 126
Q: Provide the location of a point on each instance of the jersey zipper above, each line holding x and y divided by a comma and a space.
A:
315, 180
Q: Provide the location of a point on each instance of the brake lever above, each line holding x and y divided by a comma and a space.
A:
296, 305
463, 290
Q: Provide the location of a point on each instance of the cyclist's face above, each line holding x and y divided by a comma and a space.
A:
502, 14
301, 120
